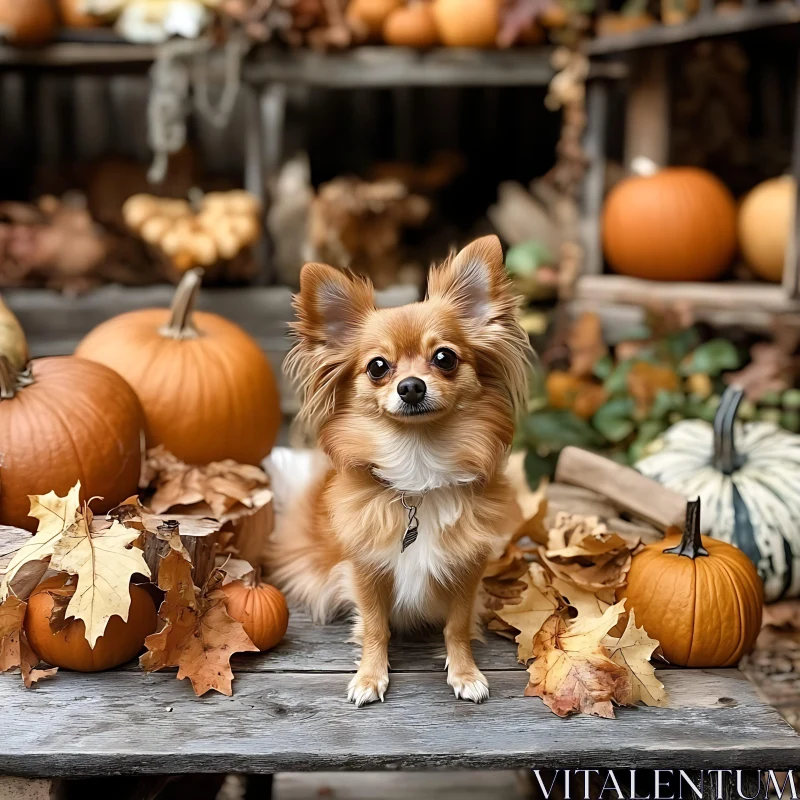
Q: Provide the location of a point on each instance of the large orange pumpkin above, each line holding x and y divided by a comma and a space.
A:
700, 597
69, 649
411, 26
63, 421
467, 23
262, 611
27, 22
207, 389
678, 224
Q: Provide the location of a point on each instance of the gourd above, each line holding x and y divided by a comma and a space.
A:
262, 611
677, 224
766, 221
27, 22
63, 420
69, 649
747, 479
207, 389
467, 23
411, 26
700, 597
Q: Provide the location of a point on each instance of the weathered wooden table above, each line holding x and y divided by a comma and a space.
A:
288, 712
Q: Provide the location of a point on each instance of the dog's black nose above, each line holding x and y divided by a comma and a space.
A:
412, 391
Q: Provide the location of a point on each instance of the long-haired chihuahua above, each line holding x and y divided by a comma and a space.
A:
414, 408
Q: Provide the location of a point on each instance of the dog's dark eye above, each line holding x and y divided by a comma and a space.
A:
445, 359
377, 368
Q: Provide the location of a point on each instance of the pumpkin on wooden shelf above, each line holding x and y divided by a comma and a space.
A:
261, 609
467, 23
27, 22
64, 420
749, 488
69, 649
411, 26
372, 14
766, 221
207, 389
700, 597
677, 224
74, 15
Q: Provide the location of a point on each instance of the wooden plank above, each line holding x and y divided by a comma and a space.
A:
74, 54
121, 722
702, 26
594, 147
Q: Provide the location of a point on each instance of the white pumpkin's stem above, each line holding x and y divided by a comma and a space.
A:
691, 544
726, 459
11, 380
180, 325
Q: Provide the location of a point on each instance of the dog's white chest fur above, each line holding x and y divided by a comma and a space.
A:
437, 488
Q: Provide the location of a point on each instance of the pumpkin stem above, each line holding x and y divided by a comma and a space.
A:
691, 542
11, 381
726, 459
180, 325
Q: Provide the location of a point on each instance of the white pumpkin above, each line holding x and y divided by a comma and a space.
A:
749, 492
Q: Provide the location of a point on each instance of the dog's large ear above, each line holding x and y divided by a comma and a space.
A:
331, 304
475, 280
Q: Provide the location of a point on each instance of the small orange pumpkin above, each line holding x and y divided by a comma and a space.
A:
28, 22
411, 26
467, 23
261, 609
700, 597
678, 224
206, 387
69, 649
372, 14
73, 15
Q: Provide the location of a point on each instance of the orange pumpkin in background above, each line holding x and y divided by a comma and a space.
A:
62, 421
73, 15
701, 598
69, 649
27, 22
678, 224
372, 14
207, 389
411, 26
467, 23
261, 609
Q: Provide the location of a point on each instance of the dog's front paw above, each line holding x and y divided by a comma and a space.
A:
469, 685
367, 688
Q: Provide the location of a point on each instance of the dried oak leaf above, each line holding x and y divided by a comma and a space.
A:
133, 514
231, 490
29, 563
537, 603
633, 651
104, 561
646, 380
586, 344
587, 604
530, 505
572, 671
198, 636
15, 652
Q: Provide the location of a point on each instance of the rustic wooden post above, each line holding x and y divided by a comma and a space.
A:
594, 147
647, 115
791, 268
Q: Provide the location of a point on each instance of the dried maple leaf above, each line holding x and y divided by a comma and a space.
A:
198, 637
537, 603
26, 568
572, 671
15, 652
586, 344
586, 603
133, 514
104, 562
646, 380
229, 489
633, 651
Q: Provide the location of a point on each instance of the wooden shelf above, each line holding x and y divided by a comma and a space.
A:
704, 25
374, 67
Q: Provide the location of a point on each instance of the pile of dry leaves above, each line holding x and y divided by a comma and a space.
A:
556, 599
179, 545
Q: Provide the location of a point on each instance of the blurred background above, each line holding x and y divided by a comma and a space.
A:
639, 161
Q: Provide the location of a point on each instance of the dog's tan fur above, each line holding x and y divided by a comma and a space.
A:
340, 546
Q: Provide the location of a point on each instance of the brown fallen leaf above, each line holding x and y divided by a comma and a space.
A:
633, 651
15, 651
198, 637
586, 344
586, 603
646, 380
771, 369
572, 671
537, 603
230, 490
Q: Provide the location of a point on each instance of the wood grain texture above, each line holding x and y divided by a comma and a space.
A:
128, 723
